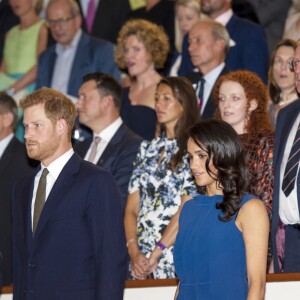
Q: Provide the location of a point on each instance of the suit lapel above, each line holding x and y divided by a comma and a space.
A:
60, 189
51, 64
108, 153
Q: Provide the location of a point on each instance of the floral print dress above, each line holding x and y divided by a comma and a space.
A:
160, 196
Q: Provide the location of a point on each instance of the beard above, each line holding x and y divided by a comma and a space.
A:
42, 151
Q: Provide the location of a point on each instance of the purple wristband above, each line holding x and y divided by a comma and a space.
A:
161, 246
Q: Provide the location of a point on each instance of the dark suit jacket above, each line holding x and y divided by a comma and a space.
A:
14, 164
92, 55
250, 52
118, 156
284, 123
109, 18
78, 251
210, 107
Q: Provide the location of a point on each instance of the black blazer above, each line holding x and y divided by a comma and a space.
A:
14, 164
210, 107
117, 157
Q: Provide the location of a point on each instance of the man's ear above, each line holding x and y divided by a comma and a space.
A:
253, 105
61, 126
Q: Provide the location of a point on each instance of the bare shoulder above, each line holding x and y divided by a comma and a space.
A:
252, 213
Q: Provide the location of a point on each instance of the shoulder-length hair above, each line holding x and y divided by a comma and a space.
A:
185, 94
151, 35
274, 90
224, 149
254, 89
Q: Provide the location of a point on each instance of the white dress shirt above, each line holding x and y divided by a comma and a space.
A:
105, 137
54, 170
4, 143
288, 206
63, 64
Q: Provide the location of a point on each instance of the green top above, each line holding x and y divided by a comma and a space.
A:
20, 49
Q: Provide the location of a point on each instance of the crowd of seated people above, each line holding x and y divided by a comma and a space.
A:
224, 72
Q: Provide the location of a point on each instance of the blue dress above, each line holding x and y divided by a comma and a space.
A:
209, 254
140, 119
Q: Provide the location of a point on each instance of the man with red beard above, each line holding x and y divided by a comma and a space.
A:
68, 232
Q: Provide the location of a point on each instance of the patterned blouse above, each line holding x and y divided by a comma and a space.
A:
259, 154
160, 196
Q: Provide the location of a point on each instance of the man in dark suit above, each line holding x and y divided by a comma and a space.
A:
14, 164
249, 49
75, 53
285, 230
108, 17
68, 231
99, 104
208, 47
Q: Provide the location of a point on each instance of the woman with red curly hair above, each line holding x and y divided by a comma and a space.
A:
242, 101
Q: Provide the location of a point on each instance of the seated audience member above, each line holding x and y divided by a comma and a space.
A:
161, 182
221, 247
187, 13
14, 164
8, 20
208, 47
75, 54
282, 89
272, 16
142, 48
286, 197
104, 19
160, 12
23, 44
242, 101
249, 49
292, 23
114, 146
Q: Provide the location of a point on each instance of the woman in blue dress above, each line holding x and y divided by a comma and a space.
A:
220, 251
161, 181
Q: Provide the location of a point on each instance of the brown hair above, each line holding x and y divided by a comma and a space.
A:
254, 89
185, 94
57, 106
9, 105
151, 35
274, 90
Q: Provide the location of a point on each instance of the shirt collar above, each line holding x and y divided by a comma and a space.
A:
224, 17
107, 133
4, 142
212, 76
56, 166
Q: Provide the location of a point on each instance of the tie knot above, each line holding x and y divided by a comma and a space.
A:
97, 139
45, 172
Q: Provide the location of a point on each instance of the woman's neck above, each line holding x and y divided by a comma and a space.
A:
151, 3
288, 94
147, 79
28, 19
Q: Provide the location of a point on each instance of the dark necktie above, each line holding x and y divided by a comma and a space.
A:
200, 91
291, 168
40, 199
94, 149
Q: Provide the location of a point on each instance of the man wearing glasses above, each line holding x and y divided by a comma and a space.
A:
286, 195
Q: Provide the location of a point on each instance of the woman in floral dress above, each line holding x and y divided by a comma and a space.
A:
161, 182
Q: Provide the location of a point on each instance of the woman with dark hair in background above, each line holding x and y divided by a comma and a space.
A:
221, 247
282, 89
161, 182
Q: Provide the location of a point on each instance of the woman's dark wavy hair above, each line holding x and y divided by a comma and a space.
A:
184, 93
224, 149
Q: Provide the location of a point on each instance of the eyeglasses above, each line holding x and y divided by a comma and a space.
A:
60, 22
294, 63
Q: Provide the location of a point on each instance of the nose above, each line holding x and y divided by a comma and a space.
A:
28, 132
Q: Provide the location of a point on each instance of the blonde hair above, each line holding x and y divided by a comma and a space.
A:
151, 35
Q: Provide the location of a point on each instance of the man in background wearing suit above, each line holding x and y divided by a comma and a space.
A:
285, 230
68, 231
14, 164
249, 49
115, 145
208, 47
